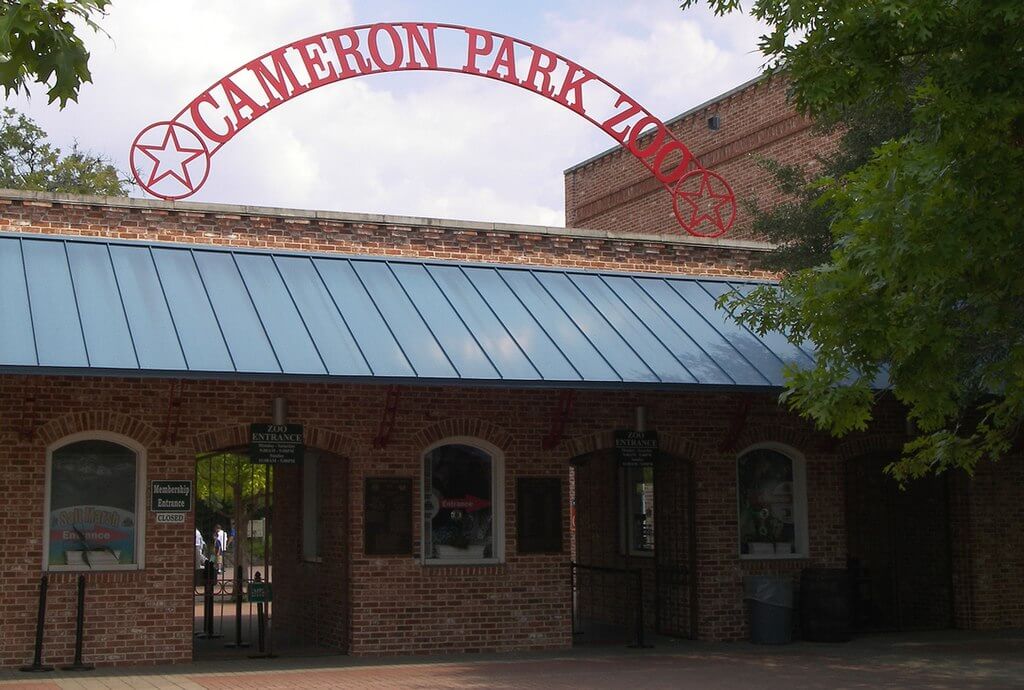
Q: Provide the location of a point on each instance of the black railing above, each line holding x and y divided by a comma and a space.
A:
607, 603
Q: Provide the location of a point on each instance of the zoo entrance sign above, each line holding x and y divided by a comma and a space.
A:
171, 159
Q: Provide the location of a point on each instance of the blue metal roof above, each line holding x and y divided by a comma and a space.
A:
85, 306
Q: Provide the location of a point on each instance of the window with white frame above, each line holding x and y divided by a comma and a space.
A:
772, 503
94, 504
312, 506
638, 510
462, 503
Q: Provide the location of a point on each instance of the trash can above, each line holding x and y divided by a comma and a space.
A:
771, 608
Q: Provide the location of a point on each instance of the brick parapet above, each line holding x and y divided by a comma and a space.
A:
353, 234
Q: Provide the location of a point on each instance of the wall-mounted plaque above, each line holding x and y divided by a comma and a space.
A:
636, 448
387, 516
276, 444
539, 514
171, 495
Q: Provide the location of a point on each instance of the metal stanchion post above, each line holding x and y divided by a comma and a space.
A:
239, 596
37, 661
208, 589
77, 664
261, 620
260, 591
572, 598
639, 644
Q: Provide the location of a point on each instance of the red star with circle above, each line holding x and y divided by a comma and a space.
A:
707, 204
170, 158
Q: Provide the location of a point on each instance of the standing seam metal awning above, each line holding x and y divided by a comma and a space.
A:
84, 306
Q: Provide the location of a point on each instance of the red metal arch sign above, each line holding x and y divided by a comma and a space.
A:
171, 159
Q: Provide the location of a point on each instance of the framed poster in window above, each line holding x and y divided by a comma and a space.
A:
94, 504
462, 507
539, 514
772, 504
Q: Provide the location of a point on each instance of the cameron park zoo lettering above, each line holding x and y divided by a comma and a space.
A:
171, 159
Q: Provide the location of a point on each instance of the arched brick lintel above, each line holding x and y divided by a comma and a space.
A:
238, 436
464, 426
99, 420
870, 444
804, 441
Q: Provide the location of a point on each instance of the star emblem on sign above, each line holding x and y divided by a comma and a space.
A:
704, 204
170, 160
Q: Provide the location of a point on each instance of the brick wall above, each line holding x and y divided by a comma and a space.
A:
615, 192
311, 598
25, 212
399, 605
131, 617
995, 545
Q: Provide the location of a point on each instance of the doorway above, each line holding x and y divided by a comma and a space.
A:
233, 545
899, 552
675, 553
633, 545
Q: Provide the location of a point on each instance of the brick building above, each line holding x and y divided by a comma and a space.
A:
729, 134
476, 371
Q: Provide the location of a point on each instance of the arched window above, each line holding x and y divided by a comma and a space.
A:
772, 501
463, 516
94, 503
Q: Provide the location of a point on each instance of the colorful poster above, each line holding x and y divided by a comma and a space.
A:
93, 512
91, 535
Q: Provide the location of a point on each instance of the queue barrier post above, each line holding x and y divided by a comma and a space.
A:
78, 664
37, 665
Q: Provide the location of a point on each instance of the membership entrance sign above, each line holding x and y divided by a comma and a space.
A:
171, 496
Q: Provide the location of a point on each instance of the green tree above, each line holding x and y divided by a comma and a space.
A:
38, 43
232, 490
28, 161
800, 226
923, 285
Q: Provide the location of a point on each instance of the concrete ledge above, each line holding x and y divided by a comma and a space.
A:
191, 207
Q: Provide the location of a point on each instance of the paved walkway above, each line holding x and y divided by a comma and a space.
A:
943, 660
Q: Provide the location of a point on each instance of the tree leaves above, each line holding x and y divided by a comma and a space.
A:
27, 161
922, 282
38, 43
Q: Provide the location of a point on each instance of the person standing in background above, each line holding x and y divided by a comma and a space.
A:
200, 550
220, 546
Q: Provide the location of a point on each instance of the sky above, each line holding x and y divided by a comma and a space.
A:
420, 144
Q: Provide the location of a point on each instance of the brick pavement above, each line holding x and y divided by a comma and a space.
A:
935, 660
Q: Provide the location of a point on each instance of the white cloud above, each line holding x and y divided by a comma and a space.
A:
413, 144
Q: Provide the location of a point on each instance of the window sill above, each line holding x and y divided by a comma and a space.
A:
439, 562
93, 569
773, 557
